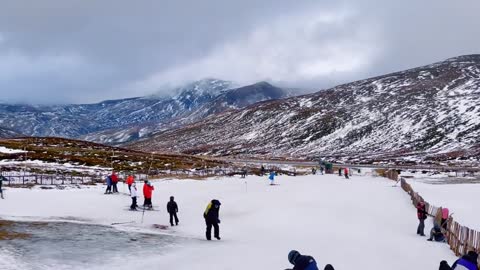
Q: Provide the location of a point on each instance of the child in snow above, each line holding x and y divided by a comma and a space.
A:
211, 216
346, 173
109, 185
436, 234
133, 194
147, 193
172, 209
272, 178
422, 215
467, 262
302, 262
114, 178
130, 181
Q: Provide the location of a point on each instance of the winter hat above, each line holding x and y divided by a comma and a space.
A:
171, 198
329, 267
292, 256
472, 254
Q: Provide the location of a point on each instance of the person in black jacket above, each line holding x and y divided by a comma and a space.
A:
172, 209
1, 180
212, 220
444, 266
302, 262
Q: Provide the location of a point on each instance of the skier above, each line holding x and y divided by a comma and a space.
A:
212, 220
2, 178
422, 215
133, 194
321, 170
339, 171
436, 234
130, 181
468, 262
301, 262
109, 185
272, 178
114, 178
314, 171
172, 209
147, 193
346, 172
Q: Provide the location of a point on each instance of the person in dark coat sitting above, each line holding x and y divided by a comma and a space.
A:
211, 219
436, 234
301, 262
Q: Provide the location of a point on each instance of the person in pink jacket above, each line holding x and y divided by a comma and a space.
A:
445, 214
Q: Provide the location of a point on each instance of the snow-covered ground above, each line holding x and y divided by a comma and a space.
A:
463, 200
5, 150
362, 223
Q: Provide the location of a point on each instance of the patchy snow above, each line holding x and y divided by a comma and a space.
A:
362, 223
5, 150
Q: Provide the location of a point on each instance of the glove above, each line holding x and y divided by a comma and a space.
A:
218, 221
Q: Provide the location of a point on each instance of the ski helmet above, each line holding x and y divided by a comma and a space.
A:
292, 256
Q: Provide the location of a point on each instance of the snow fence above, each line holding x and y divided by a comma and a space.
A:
460, 238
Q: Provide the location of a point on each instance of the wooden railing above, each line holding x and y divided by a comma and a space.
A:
461, 239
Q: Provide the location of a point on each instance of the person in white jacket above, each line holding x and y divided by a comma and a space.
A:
133, 194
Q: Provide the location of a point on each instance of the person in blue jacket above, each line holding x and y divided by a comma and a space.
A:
301, 262
271, 177
109, 185
467, 262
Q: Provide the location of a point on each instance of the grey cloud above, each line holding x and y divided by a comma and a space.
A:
83, 51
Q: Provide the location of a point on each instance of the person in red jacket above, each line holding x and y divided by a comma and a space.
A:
130, 181
346, 172
147, 193
114, 178
422, 215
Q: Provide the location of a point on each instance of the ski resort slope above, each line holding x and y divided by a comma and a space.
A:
361, 223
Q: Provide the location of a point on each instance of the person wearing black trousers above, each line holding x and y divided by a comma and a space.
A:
212, 220
172, 209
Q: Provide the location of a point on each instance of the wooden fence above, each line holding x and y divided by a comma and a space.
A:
460, 238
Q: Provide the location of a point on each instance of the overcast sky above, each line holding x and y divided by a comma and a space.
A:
76, 51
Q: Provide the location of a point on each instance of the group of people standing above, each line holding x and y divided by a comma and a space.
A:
211, 213
437, 234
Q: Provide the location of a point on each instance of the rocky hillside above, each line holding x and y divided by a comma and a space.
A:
427, 112
202, 105
115, 121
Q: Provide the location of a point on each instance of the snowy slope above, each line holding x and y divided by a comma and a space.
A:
199, 102
426, 112
74, 120
362, 223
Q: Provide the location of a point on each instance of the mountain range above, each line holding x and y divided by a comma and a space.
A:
430, 112
119, 121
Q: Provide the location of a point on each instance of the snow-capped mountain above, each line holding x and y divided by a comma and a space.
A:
431, 111
115, 121
199, 103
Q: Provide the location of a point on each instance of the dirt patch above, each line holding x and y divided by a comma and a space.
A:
7, 233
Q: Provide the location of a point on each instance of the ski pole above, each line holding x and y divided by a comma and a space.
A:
143, 213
